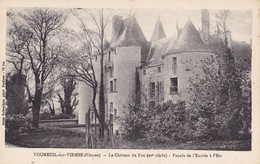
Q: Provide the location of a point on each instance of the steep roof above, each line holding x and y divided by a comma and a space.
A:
189, 40
130, 34
157, 50
158, 32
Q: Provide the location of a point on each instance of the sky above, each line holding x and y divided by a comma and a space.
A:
239, 22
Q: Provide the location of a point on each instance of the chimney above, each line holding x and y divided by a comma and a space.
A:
117, 23
229, 39
205, 25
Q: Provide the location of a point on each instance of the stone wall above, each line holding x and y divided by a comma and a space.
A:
125, 60
152, 74
57, 123
189, 65
119, 64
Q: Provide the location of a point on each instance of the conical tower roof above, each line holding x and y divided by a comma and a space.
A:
158, 32
131, 34
189, 40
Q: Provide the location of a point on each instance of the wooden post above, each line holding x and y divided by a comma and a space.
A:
88, 129
111, 131
95, 131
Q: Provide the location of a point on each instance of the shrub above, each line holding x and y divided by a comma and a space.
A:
14, 125
61, 116
45, 116
48, 116
160, 124
136, 123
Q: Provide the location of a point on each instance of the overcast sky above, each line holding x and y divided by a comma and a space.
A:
239, 22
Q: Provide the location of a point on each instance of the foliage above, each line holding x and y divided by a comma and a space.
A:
49, 116
63, 116
69, 102
45, 116
15, 94
51, 138
161, 123
220, 97
14, 125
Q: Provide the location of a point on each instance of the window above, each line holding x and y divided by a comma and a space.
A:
115, 113
174, 85
111, 106
111, 70
160, 88
115, 84
92, 115
109, 56
159, 69
174, 65
144, 72
152, 89
111, 86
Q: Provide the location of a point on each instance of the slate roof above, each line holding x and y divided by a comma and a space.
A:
158, 32
189, 40
132, 35
157, 50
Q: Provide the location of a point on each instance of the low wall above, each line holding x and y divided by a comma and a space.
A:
57, 123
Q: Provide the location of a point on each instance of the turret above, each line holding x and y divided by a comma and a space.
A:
158, 32
117, 24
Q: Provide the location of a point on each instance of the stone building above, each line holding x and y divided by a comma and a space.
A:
152, 71
170, 63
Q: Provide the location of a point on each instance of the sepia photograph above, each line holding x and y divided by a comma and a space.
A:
92, 78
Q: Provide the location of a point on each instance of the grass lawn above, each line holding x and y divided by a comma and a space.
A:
242, 145
50, 138
60, 138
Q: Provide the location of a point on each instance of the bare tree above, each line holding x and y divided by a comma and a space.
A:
94, 42
33, 38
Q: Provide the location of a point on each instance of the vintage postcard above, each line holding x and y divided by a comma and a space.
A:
130, 81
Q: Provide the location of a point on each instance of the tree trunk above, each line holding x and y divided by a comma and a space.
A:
101, 90
36, 107
102, 102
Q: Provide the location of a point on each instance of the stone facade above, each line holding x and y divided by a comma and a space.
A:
155, 71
